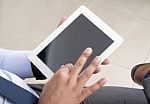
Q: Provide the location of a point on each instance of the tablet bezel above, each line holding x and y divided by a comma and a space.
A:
94, 19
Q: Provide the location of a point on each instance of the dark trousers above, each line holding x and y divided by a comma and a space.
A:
115, 95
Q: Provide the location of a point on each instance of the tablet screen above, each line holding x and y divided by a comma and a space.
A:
69, 44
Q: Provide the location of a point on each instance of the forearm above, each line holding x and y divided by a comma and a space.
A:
16, 62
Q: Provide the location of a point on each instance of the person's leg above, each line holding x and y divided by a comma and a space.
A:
111, 95
146, 85
117, 95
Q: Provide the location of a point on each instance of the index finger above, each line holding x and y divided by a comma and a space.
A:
81, 61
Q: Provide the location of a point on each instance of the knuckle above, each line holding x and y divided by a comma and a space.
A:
79, 64
92, 89
75, 67
71, 83
61, 74
86, 75
69, 65
79, 98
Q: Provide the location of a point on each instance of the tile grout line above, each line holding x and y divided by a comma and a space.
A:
147, 56
133, 14
2, 3
121, 66
23, 34
90, 3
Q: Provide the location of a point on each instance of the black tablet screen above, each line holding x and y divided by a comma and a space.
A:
69, 44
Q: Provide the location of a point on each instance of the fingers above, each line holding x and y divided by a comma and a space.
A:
66, 68
62, 20
81, 62
98, 69
89, 71
91, 89
105, 62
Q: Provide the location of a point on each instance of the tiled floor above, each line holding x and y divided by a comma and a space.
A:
25, 23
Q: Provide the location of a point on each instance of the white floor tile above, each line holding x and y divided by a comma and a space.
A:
117, 20
117, 76
144, 11
136, 46
13, 40
2, 2
133, 29
135, 7
147, 60
36, 18
86, 1
137, 86
24, 23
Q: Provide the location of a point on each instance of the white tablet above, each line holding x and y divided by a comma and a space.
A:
81, 30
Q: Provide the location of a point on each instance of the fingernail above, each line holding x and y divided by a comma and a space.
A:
97, 59
89, 50
62, 66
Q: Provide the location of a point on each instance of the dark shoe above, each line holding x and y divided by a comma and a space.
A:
139, 71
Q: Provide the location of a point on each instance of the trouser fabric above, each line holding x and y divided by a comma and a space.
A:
114, 95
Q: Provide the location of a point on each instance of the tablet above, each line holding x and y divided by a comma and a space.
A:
81, 30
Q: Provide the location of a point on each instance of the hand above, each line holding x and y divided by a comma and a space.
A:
105, 62
67, 86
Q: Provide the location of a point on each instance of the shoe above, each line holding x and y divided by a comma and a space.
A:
139, 71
